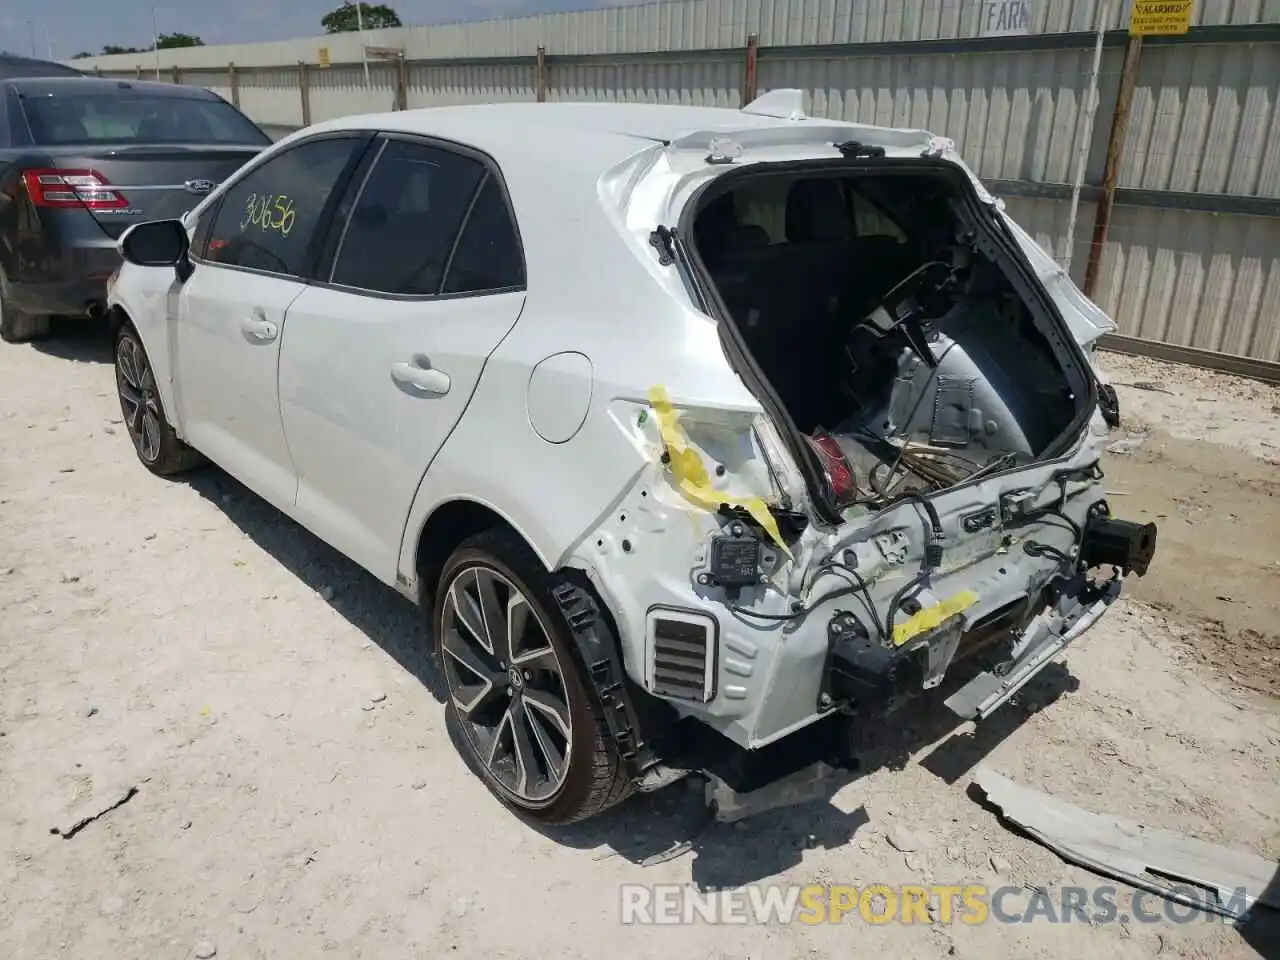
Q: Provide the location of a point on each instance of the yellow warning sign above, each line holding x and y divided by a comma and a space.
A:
323, 56
1160, 17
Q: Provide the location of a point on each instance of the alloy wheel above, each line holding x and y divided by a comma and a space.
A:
507, 684
139, 400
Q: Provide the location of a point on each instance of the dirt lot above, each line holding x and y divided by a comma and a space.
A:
298, 795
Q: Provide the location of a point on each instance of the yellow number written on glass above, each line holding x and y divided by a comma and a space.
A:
273, 212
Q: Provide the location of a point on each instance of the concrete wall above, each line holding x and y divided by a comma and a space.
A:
1192, 257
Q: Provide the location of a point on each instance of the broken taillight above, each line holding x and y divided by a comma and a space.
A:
844, 486
72, 188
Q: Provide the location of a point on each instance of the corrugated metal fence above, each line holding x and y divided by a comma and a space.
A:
1185, 252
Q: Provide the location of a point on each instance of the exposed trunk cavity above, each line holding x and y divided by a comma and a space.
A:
894, 321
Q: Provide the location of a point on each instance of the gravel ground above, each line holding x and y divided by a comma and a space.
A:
297, 793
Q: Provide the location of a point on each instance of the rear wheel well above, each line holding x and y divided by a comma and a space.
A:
116, 318
444, 532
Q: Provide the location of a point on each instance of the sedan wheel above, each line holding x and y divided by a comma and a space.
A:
507, 685
138, 398
157, 446
525, 713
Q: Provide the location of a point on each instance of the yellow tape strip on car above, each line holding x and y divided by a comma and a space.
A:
691, 476
932, 617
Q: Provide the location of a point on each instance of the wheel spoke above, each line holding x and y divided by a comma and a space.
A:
523, 749
495, 623
468, 658
127, 361
146, 379
550, 708
547, 741
150, 432
468, 613
516, 624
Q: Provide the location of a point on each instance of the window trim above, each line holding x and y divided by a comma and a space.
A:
360, 140
325, 269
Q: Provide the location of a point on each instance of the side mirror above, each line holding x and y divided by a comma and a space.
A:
157, 243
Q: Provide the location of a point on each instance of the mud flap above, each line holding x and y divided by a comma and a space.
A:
1045, 637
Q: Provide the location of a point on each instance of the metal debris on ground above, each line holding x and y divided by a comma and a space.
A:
1146, 858
92, 809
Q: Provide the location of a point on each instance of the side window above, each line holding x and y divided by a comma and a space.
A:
406, 220
488, 255
268, 219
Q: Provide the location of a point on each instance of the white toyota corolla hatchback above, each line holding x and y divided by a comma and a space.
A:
706, 436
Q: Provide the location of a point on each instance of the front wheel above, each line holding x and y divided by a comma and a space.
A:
529, 723
157, 446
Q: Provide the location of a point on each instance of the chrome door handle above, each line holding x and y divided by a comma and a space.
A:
421, 376
259, 328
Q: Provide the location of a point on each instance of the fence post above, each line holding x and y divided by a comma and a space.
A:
1111, 174
749, 73
176, 75
402, 82
137, 74
234, 80
540, 74
304, 91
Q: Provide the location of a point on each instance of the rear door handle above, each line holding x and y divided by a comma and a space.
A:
258, 327
421, 376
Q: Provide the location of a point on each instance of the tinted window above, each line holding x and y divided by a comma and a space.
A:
406, 219
267, 220
488, 252
121, 116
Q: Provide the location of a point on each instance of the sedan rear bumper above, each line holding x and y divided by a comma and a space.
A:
73, 285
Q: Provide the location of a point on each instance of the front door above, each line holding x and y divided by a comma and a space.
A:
379, 363
232, 311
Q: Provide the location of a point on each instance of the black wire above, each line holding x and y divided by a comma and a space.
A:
795, 614
896, 602
865, 594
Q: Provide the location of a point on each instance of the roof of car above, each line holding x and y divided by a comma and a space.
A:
13, 66
583, 133
81, 83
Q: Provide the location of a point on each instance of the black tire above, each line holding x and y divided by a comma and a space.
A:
154, 441
19, 327
596, 777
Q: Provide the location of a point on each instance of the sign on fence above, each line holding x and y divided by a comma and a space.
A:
1005, 18
323, 56
1155, 17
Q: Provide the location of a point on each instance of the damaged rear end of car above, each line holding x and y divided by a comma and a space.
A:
921, 491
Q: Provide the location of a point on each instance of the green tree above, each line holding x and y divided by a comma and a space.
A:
170, 41
376, 16
82, 54
111, 48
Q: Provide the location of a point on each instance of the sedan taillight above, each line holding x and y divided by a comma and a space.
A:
72, 188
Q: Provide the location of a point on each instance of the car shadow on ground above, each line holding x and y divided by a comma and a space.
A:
653, 828
674, 822
85, 341
376, 610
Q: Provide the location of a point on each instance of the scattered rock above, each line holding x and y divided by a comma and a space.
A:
205, 949
955, 853
902, 839
461, 907
92, 712
1128, 445
378, 699
108, 429
68, 578
149, 536
66, 469
326, 592
225, 498
186, 824
1000, 865
916, 862
418, 784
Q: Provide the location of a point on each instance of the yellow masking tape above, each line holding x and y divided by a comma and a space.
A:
691, 476
931, 617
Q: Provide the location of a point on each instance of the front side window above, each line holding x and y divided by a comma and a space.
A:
134, 117
267, 220
404, 224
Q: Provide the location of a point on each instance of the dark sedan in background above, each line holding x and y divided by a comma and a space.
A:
83, 158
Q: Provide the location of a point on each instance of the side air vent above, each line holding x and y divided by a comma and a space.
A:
681, 654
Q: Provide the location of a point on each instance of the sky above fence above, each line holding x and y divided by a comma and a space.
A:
65, 27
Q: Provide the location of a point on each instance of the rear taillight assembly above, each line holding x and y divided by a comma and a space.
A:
72, 188
844, 486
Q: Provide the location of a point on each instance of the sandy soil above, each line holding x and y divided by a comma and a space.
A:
298, 794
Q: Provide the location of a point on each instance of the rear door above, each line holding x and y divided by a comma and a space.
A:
128, 154
252, 264
380, 360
